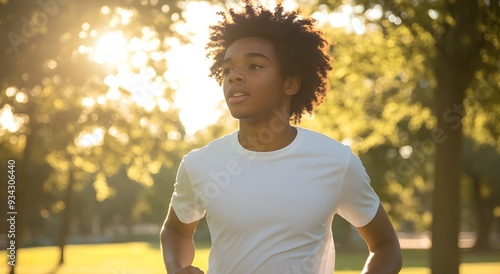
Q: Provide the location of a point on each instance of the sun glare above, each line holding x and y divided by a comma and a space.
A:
90, 139
111, 48
8, 121
196, 95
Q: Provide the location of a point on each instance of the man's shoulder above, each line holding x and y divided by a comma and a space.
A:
322, 141
212, 149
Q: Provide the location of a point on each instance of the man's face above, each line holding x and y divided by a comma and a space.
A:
253, 85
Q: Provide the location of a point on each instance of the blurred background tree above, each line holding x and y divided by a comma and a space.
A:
458, 41
480, 164
74, 104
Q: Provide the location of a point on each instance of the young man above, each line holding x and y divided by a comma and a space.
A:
270, 190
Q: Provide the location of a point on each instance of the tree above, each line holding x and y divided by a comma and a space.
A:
463, 39
480, 163
374, 107
67, 111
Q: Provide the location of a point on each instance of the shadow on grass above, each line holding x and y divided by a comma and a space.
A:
355, 259
476, 256
54, 270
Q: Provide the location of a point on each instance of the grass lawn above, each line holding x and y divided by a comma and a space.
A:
145, 258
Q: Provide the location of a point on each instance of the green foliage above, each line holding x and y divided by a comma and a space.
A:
86, 115
382, 102
463, 45
375, 106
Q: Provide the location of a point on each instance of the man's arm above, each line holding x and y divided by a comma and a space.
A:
385, 252
177, 245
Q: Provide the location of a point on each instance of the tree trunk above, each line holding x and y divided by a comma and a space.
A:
484, 215
66, 219
446, 203
457, 59
22, 171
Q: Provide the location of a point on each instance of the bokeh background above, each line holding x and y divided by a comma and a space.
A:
99, 100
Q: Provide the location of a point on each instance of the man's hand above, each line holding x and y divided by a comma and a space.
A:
189, 270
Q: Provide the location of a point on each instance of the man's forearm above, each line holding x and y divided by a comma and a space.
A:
386, 259
177, 250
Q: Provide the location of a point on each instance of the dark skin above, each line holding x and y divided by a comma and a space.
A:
177, 245
385, 252
257, 94
251, 68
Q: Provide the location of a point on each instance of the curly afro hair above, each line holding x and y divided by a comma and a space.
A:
298, 46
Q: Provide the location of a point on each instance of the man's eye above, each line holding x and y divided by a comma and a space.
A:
226, 71
254, 66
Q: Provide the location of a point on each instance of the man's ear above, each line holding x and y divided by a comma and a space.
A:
292, 84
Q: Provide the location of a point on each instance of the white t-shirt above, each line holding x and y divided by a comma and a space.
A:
271, 212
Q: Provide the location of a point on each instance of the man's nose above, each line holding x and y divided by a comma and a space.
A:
236, 76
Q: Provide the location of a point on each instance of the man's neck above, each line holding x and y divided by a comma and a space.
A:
266, 136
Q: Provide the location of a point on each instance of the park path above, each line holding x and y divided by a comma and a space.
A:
423, 240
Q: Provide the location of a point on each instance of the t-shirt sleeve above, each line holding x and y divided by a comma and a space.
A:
184, 202
358, 202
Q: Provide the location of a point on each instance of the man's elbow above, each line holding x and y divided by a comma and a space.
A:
397, 254
390, 255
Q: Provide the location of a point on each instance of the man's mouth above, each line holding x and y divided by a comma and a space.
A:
238, 97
